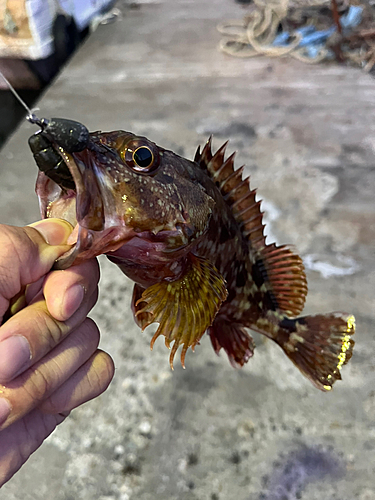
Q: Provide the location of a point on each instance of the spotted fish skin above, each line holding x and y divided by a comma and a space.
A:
190, 234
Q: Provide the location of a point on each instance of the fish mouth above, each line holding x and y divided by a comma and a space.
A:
90, 208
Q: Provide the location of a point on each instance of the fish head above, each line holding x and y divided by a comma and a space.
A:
128, 193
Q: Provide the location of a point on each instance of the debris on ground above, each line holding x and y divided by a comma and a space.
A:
312, 31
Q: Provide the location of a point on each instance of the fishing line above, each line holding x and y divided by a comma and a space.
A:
31, 117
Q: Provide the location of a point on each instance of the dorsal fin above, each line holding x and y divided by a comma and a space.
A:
205, 157
283, 268
286, 273
235, 190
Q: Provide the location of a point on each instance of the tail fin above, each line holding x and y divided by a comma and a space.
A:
319, 345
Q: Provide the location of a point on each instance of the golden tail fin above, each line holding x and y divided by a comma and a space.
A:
318, 345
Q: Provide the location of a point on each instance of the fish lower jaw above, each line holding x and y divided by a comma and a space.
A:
87, 244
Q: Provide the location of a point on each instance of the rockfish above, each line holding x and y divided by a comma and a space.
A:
190, 234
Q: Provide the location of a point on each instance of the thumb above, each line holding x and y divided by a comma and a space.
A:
54, 231
28, 253
49, 241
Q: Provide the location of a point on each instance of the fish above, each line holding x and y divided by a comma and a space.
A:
190, 234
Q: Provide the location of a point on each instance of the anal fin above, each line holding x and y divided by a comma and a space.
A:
233, 338
184, 308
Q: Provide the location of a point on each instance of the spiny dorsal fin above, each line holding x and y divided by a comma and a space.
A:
235, 190
283, 269
205, 157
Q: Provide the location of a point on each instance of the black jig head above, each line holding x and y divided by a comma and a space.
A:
69, 135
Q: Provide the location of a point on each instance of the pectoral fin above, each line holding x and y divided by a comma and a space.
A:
141, 318
184, 308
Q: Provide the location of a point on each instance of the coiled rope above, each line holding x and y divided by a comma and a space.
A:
255, 34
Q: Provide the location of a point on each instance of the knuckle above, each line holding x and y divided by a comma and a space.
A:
52, 330
92, 299
16, 250
90, 272
90, 331
53, 405
38, 385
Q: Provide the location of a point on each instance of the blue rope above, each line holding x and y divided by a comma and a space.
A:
314, 40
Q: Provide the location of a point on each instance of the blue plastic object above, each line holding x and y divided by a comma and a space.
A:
314, 40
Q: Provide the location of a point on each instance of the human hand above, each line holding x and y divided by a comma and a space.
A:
49, 361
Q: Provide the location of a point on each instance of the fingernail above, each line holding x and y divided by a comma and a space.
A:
5, 410
54, 231
15, 356
72, 300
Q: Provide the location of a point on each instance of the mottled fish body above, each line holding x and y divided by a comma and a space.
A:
190, 234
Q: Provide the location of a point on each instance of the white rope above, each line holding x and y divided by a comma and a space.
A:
254, 35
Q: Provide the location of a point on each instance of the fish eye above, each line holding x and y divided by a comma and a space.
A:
143, 157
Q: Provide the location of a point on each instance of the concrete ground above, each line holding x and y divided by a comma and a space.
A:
307, 136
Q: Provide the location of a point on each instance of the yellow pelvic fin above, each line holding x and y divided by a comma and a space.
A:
184, 308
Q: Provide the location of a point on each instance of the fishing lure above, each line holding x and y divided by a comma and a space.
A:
69, 135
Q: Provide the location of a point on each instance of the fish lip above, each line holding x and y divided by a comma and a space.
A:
91, 243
